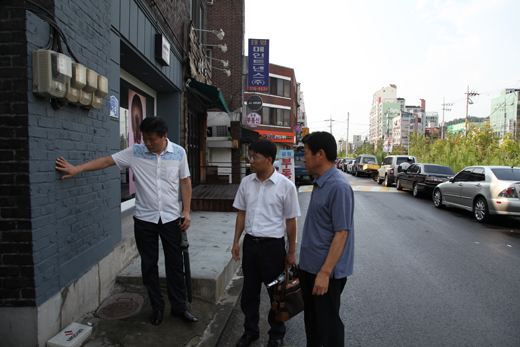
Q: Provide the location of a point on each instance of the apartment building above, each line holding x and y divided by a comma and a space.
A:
377, 112
505, 113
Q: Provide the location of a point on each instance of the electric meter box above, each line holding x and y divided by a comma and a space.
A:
51, 72
102, 89
79, 76
71, 95
85, 99
92, 81
96, 103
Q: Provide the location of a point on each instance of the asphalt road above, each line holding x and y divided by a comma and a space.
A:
422, 276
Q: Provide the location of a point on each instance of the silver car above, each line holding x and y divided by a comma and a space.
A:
484, 190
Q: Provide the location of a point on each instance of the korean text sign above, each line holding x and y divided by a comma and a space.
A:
287, 163
258, 75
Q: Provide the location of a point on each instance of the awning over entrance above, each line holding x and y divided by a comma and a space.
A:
211, 96
248, 136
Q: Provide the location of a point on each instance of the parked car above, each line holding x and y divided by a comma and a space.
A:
423, 178
348, 162
343, 164
277, 165
301, 176
390, 168
338, 161
357, 167
484, 190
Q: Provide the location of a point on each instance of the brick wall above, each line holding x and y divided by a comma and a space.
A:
229, 16
171, 15
16, 262
73, 222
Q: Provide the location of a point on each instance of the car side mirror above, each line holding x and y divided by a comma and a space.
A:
399, 169
451, 179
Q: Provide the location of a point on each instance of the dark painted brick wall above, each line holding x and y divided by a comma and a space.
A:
16, 261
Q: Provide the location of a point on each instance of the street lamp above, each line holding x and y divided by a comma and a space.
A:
220, 33
226, 71
222, 47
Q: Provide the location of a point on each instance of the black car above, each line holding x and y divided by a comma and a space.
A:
421, 177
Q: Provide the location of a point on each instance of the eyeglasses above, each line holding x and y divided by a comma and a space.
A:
253, 159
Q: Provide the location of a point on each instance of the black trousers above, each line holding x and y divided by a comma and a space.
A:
261, 263
323, 325
147, 239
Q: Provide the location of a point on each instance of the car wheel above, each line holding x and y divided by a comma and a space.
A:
398, 185
387, 182
480, 210
415, 190
356, 173
379, 180
437, 199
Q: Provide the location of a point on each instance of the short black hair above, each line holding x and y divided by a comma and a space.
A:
264, 147
322, 140
154, 125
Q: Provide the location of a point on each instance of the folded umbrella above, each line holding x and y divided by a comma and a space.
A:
187, 271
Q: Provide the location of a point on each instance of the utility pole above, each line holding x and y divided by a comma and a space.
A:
444, 105
330, 125
468, 101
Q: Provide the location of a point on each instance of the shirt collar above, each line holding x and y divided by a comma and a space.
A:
328, 174
273, 178
169, 147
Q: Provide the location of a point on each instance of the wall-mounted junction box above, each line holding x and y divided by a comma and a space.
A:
51, 72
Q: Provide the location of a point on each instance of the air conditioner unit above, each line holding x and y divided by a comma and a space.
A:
51, 72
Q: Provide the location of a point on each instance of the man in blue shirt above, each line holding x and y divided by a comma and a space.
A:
327, 250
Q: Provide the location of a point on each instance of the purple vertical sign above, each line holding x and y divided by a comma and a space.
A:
258, 75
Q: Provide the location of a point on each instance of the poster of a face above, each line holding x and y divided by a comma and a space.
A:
137, 112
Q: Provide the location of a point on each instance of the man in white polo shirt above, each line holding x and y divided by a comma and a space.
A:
267, 204
159, 167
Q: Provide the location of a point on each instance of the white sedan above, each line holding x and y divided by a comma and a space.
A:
484, 190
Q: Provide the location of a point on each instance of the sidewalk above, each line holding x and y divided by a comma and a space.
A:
216, 290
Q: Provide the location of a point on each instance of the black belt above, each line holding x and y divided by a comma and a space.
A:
259, 240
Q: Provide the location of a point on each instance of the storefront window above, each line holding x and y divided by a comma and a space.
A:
136, 104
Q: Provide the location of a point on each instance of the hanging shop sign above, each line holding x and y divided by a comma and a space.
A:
253, 119
276, 136
258, 74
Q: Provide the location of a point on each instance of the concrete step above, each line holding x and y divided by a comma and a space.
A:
212, 266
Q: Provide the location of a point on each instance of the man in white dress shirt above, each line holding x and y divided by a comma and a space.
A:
159, 167
267, 204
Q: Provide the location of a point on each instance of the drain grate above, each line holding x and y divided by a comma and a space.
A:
121, 306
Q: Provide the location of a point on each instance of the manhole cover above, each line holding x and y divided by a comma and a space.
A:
121, 306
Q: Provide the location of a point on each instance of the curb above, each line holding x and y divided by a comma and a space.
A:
225, 308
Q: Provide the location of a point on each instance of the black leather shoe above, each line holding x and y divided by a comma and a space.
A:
274, 343
246, 340
185, 316
156, 317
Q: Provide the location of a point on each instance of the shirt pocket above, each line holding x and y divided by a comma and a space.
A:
172, 174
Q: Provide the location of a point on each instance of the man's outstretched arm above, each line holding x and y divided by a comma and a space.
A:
93, 165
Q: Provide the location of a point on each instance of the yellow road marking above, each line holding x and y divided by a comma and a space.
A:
364, 189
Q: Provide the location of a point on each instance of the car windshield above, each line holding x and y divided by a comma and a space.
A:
368, 160
507, 174
434, 169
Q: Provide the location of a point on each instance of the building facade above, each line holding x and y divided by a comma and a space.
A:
277, 118
505, 113
61, 240
376, 122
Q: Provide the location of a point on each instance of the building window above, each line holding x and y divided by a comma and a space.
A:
280, 87
222, 131
275, 116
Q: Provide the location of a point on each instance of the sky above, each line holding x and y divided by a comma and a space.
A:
343, 51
